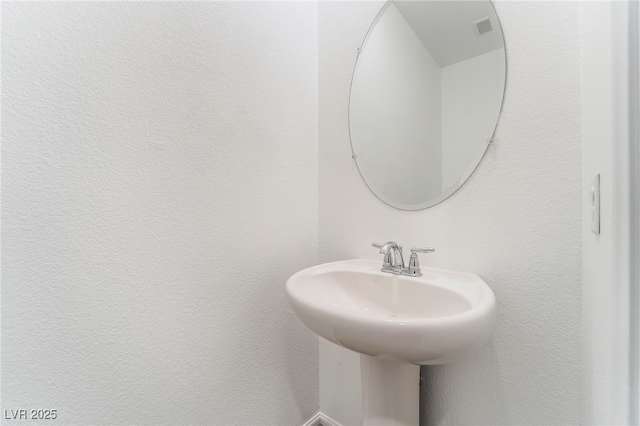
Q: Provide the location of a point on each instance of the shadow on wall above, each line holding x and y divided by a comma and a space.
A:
479, 375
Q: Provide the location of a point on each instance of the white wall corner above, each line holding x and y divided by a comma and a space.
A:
320, 419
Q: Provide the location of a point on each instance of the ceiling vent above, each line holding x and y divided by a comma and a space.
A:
482, 25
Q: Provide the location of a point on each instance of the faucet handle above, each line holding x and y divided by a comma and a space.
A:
422, 250
387, 262
413, 270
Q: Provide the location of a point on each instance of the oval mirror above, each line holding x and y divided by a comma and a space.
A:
425, 98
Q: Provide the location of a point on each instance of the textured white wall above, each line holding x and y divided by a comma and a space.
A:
472, 93
516, 223
395, 114
597, 260
159, 186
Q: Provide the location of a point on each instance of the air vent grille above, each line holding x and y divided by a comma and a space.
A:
483, 25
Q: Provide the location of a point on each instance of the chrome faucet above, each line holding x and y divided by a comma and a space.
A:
393, 261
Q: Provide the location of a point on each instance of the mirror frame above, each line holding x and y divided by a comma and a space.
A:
477, 160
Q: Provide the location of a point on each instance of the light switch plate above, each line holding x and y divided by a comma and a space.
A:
595, 204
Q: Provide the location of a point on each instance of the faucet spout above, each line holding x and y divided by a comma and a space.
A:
388, 247
393, 258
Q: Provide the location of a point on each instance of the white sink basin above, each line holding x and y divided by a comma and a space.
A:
433, 319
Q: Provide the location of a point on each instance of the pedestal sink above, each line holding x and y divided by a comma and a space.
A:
396, 322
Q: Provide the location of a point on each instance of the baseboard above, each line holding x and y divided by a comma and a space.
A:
320, 419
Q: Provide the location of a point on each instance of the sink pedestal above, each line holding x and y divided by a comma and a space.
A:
390, 392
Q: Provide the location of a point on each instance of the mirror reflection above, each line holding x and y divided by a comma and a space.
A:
425, 98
